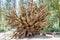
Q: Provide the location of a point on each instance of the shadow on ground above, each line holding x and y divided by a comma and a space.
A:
40, 36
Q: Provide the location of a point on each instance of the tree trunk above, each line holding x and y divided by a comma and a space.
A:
57, 7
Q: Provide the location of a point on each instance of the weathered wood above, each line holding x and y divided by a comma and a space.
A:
30, 21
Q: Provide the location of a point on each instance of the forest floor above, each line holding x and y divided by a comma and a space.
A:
6, 36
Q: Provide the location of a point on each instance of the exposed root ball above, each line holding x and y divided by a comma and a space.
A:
30, 21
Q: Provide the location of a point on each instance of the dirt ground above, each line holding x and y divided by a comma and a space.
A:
7, 36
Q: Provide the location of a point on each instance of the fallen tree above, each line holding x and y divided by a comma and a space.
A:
30, 21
